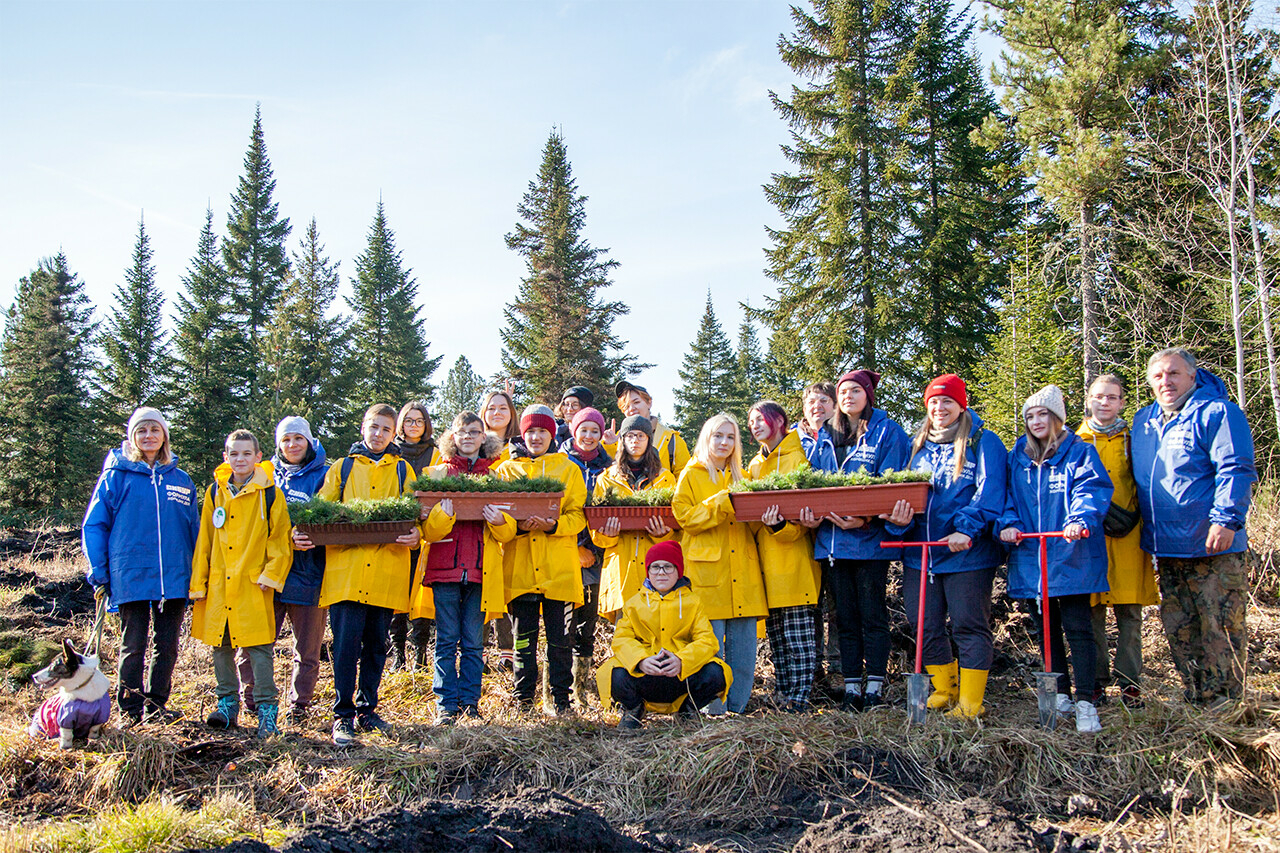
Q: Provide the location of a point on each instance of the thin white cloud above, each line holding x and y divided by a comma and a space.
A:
729, 72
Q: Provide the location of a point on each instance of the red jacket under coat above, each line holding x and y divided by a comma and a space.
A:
460, 558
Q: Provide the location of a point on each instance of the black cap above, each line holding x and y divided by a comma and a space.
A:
582, 392
624, 386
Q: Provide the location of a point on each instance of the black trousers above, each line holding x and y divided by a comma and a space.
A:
703, 687
862, 616
162, 622
1072, 616
584, 622
555, 616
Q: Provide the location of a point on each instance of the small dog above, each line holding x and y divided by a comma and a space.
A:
82, 703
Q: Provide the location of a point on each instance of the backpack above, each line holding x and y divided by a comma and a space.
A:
270, 499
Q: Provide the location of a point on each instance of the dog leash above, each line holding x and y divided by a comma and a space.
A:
95, 636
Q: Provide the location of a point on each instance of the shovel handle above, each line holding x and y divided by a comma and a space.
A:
1044, 585
924, 575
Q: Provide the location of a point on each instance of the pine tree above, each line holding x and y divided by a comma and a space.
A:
558, 332
709, 377
388, 349
751, 376
137, 359
254, 253
210, 352
308, 371
46, 411
460, 393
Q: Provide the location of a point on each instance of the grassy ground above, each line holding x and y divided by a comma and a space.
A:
1166, 777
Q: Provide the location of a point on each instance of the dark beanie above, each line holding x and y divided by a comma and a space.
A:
868, 379
636, 422
583, 393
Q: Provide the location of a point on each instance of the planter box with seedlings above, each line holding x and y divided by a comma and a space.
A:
856, 494
633, 511
357, 522
520, 498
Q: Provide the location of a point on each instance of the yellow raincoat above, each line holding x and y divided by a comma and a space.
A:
719, 552
672, 449
377, 575
231, 561
1129, 570
652, 622
547, 563
791, 576
623, 571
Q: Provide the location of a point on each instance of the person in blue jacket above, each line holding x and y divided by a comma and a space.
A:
1194, 467
139, 534
1057, 482
968, 464
299, 466
855, 569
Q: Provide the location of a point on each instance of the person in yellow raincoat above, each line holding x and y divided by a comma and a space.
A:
541, 567
242, 558
463, 575
792, 578
364, 585
498, 411
636, 467
720, 552
1129, 570
670, 444
664, 651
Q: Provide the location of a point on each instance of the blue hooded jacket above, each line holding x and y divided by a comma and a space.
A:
883, 447
139, 531
1193, 471
968, 505
1072, 487
590, 473
820, 450
302, 586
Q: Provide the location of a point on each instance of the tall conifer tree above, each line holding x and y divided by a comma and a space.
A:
558, 332
254, 253
388, 350
751, 375
709, 377
137, 359
47, 461
210, 351
460, 393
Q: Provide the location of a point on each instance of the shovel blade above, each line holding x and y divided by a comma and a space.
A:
918, 686
1047, 699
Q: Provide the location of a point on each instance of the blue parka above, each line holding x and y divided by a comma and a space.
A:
590, 473
819, 449
302, 586
883, 447
1193, 471
969, 505
1071, 487
140, 530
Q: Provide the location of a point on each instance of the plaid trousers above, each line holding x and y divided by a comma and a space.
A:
795, 651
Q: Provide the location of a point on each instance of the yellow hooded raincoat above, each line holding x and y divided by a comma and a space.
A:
670, 445
623, 570
791, 576
547, 563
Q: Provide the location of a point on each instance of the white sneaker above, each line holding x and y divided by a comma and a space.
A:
1065, 705
1087, 717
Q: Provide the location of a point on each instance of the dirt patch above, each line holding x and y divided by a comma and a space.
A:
56, 602
535, 819
890, 828
39, 544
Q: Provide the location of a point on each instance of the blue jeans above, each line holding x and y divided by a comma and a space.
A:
359, 640
459, 645
737, 638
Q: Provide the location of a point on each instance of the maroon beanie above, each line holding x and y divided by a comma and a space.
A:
948, 385
537, 417
668, 551
584, 415
868, 379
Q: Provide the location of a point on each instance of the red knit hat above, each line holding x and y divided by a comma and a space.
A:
537, 416
668, 551
947, 385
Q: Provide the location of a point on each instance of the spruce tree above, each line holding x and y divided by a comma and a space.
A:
709, 377
254, 253
751, 376
48, 462
460, 393
308, 371
388, 348
210, 351
558, 332
137, 365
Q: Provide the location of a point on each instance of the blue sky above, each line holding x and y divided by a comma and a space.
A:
117, 110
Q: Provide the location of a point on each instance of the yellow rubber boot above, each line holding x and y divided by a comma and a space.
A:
973, 686
944, 685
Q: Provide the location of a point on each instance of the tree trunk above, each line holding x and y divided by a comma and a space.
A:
1088, 293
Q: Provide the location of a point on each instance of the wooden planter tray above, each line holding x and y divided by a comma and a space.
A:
469, 506
346, 533
635, 518
862, 501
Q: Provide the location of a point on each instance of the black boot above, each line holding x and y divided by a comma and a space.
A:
399, 632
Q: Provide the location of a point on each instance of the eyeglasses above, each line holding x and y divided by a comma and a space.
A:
1107, 398
470, 433
662, 568
414, 422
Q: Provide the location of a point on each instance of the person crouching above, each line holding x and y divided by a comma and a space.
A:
664, 651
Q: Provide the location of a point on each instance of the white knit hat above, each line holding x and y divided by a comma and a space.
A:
146, 413
1048, 397
293, 423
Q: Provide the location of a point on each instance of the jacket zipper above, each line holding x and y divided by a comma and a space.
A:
155, 485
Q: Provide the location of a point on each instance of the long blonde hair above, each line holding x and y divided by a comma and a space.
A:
1039, 451
702, 450
959, 447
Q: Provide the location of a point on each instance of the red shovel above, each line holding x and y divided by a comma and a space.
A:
919, 682
1047, 681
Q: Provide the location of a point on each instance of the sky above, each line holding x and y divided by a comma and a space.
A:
119, 111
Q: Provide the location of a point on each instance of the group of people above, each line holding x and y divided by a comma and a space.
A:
1168, 495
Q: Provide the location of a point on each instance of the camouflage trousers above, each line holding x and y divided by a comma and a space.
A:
1202, 605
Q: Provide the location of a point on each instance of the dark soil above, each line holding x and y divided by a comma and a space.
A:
40, 544
532, 820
